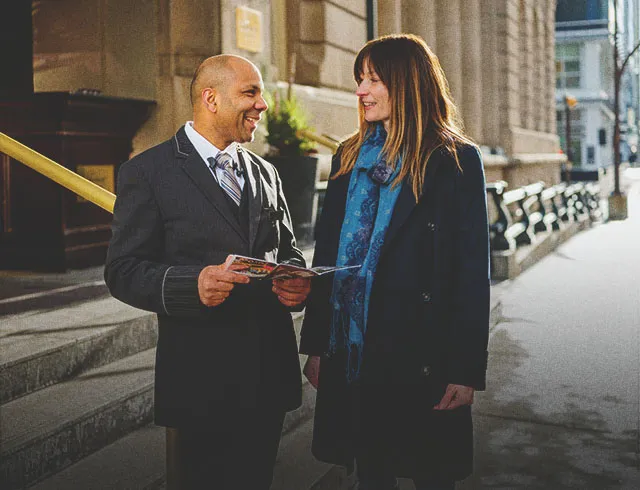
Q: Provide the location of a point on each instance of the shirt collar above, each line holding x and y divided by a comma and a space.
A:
205, 148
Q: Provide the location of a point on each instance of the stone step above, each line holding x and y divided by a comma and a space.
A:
137, 460
54, 427
53, 298
43, 347
48, 430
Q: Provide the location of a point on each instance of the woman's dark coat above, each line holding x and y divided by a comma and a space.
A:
428, 324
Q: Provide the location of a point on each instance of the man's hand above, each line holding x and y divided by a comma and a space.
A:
455, 396
292, 292
311, 370
215, 283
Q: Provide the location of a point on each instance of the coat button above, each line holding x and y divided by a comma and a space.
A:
426, 297
426, 371
431, 226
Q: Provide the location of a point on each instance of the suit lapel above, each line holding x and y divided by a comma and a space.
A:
201, 176
254, 183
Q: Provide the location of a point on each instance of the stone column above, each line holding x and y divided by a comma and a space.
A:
493, 73
16, 39
471, 50
542, 94
449, 40
330, 37
525, 37
509, 32
163, 120
419, 17
550, 59
281, 32
389, 17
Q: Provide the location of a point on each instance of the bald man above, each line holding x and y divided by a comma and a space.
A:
226, 362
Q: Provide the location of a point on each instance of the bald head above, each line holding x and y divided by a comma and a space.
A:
227, 97
217, 72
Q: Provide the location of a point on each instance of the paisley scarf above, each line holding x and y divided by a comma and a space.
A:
370, 203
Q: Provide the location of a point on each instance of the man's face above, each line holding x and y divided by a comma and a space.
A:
240, 104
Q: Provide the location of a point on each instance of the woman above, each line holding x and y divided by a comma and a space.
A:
397, 347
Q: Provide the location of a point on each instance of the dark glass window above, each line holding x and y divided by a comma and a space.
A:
571, 10
598, 9
574, 10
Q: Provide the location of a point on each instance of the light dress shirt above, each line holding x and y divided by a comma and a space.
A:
206, 149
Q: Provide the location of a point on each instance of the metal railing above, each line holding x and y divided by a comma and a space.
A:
84, 187
321, 139
520, 214
56, 172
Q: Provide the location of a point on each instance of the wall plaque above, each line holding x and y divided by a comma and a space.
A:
249, 29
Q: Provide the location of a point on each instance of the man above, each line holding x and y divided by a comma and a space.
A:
226, 365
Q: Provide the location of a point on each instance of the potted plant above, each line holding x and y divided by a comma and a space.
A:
292, 154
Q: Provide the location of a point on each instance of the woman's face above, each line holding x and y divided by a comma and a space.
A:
374, 97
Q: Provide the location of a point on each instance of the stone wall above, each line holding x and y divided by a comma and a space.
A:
498, 56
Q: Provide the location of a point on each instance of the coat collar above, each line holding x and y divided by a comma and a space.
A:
182, 145
197, 170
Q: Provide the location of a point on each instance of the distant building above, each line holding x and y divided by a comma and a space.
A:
584, 70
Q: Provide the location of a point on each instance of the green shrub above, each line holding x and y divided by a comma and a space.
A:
283, 119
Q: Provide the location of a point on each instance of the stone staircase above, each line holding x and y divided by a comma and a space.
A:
76, 399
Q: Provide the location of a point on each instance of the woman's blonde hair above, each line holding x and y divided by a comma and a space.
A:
423, 115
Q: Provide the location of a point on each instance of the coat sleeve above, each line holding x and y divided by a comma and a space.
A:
314, 336
288, 252
134, 270
467, 362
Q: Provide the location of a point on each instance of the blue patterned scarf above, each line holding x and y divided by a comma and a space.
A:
369, 207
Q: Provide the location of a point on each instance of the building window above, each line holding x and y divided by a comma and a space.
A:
591, 155
579, 10
576, 134
567, 66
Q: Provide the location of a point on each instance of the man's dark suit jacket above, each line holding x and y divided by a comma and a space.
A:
172, 219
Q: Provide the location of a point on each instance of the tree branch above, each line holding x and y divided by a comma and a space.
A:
626, 60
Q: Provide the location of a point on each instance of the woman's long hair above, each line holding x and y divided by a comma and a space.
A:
423, 115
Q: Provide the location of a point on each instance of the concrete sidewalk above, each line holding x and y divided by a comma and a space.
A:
562, 408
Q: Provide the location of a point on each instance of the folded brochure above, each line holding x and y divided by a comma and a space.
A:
262, 269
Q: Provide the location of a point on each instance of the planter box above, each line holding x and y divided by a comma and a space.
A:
299, 177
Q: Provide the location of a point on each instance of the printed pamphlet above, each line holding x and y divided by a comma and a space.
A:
262, 269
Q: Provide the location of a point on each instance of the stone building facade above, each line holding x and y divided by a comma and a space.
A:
498, 56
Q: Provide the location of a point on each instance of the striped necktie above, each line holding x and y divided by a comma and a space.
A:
227, 180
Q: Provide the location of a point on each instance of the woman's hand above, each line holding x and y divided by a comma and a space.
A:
311, 370
455, 396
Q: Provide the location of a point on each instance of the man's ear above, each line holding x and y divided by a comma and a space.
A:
210, 99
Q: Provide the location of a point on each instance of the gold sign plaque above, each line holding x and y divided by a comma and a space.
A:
103, 175
249, 29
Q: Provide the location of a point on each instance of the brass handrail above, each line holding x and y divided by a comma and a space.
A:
84, 187
323, 140
56, 172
